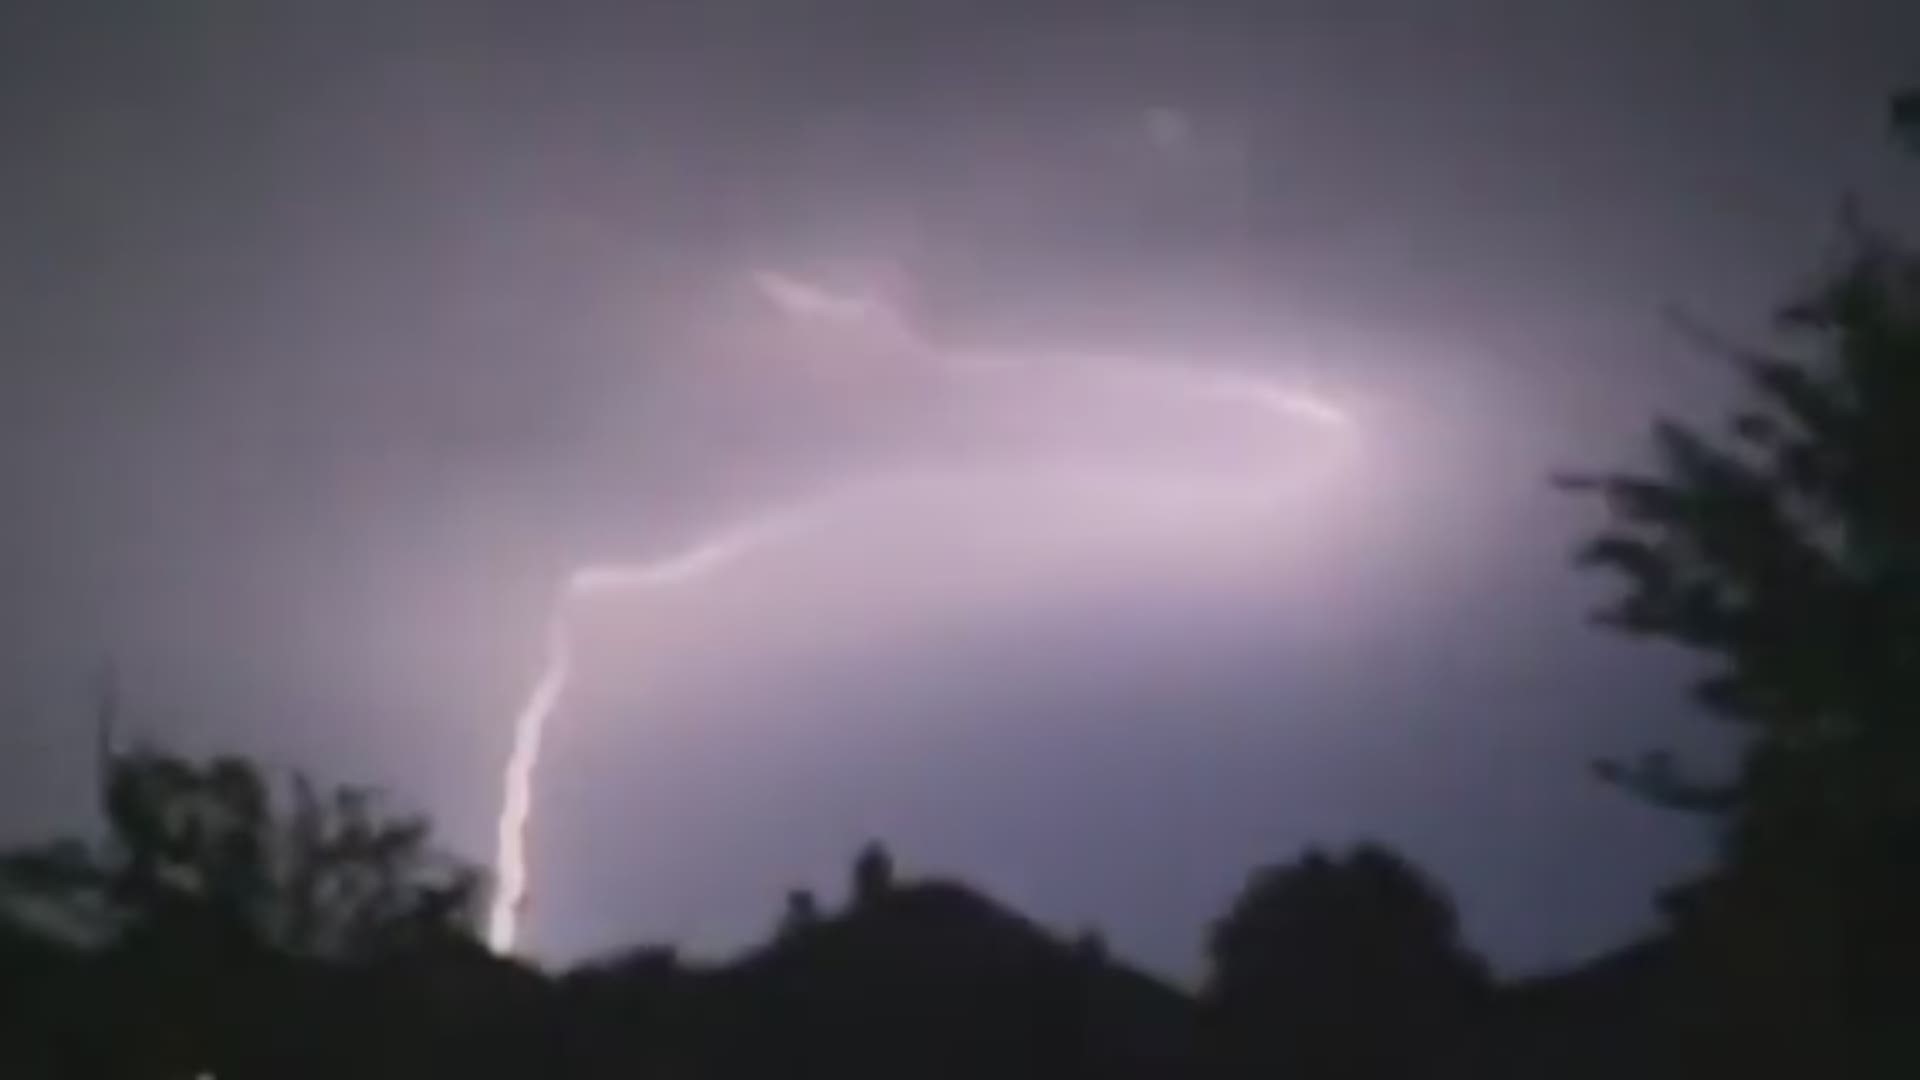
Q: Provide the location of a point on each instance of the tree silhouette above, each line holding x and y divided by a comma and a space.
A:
802, 912
221, 926
212, 849
1786, 550
872, 874
1347, 966
1905, 116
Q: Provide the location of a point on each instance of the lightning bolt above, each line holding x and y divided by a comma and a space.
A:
867, 318
685, 567
861, 317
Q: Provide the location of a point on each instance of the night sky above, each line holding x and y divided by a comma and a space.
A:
333, 335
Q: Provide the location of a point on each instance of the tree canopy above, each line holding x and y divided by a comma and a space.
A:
1785, 549
1348, 965
215, 848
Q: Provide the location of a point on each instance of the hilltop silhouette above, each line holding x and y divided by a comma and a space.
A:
925, 977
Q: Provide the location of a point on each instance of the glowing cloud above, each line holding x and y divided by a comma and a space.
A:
807, 301
814, 305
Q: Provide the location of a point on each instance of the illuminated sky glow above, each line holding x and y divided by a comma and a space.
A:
338, 337
815, 305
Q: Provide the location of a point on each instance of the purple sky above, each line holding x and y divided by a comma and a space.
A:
331, 335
